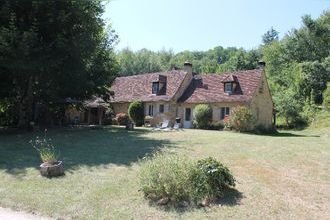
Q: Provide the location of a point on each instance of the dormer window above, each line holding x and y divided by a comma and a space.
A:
230, 84
228, 87
159, 85
155, 87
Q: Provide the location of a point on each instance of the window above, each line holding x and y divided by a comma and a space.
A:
228, 87
188, 114
155, 87
224, 111
151, 110
161, 108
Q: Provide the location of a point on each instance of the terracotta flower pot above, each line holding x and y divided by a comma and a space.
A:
52, 169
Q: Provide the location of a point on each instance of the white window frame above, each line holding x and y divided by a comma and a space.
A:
151, 110
227, 86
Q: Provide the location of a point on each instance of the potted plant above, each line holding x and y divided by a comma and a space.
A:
50, 166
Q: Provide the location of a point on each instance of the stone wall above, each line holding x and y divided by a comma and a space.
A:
216, 109
157, 118
120, 107
262, 104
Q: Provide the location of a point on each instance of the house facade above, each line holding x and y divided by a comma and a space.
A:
173, 94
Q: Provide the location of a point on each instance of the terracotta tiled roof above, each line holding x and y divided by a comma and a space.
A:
210, 88
139, 87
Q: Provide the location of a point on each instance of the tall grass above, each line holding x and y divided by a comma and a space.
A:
179, 179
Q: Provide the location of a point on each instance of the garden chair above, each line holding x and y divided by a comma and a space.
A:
163, 126
176, 126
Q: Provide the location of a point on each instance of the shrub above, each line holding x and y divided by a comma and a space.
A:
261, 129
136, 112
166, 176
202, 116
210, 178
241, 119
108, 116
326, 97
174, 179
216, 125
226, 122
46, 149
122, 119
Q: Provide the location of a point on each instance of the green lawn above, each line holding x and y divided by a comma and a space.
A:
282, 176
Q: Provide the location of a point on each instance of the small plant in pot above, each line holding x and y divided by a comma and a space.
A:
50, 166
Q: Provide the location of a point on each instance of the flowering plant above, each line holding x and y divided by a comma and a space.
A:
45, 149
226, 121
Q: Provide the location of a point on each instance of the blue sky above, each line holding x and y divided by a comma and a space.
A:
203, 24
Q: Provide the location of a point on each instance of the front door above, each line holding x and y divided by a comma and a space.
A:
187, 118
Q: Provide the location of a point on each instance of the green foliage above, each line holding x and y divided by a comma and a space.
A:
202, 116
122, 119
52, 50
216, 125
314, 81
168, 176
288, 106
108, 116
218, 59
46, 149
270, 36
326, 97
210, 178
136, 112
241, 119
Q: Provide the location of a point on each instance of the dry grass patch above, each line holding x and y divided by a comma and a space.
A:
281, 176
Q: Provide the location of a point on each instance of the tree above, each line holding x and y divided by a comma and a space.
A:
136, 112
326, 97
311, 42
51, 50
314, 81
288, 106
270, 36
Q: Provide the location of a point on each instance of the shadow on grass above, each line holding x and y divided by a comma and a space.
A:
281, 134
79, 147
231, 197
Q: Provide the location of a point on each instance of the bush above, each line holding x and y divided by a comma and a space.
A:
216, 126
226, 122
202, 116
108, 116
136, 112
122, 119
260, 129
210, 178
241, 119
174, 179
326, 97
166, 176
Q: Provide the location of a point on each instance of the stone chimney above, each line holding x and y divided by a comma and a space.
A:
187, 66
261, 64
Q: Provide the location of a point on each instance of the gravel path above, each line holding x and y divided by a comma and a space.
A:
8, 214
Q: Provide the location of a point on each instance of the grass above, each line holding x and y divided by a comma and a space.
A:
286, 175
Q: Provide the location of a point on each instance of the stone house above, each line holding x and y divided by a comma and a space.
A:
174, 94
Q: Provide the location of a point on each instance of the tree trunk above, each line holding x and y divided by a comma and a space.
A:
25, 106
